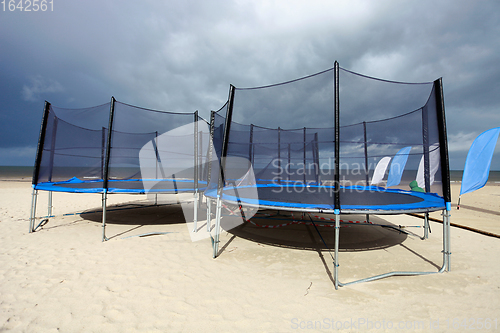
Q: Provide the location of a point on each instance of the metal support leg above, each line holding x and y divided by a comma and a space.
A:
195, 218
209, 213
426, 226
104, 199
34, 195
49, 208
217, 227
449, 241
446, 240
336, 255
446, 256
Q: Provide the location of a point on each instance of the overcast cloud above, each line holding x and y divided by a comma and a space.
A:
182, 56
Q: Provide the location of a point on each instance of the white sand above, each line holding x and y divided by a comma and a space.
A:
63, 278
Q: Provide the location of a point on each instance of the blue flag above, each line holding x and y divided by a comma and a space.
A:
397, 167
478, 162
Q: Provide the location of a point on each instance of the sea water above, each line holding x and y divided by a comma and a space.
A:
25, 173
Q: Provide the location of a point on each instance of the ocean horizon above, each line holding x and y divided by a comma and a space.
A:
25, 173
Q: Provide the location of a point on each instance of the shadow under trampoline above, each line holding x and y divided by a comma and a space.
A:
134, 216
286, 230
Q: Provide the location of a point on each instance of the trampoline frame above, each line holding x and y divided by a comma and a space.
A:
441, 123
267, 204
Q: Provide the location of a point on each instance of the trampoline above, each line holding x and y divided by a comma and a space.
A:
119, 148
341, 168
132, 186
318, 199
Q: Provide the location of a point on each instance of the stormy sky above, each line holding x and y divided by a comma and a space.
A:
182, 56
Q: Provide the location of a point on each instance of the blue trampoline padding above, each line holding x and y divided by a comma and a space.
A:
315, 197
76, 185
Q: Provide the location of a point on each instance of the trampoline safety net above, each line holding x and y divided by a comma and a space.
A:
333, 140
147, 150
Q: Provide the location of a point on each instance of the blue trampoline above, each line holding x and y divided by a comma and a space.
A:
318, 199
131, 186
119, 148
381, 149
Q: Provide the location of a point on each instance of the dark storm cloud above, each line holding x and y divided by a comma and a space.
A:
182, 55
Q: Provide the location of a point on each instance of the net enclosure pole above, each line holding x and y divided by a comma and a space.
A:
445, 166
106, 167
279, 155
443, 141
155, 146
337, 171
108, 143
304, 154
289, 163
41, 141
210, 146
51, 162
225, 140
366, 162
195, 208
209, 171
38, 160
201, 165
250, 147
53, 137
225, 143
316, 158
103, 151
425, 151
337, 137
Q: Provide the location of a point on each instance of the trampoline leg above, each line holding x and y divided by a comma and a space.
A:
209, 213
49, 208
426, 226
104, 199
449, 240
446, 256
34, 195
217, 227
336, 254
195, 218
446, 240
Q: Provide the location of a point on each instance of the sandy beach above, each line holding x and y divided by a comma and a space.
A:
63, 278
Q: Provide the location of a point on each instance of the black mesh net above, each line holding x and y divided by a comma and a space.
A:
389, 158
397, 121
167, 139
280, 137
74, 144
149, 150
